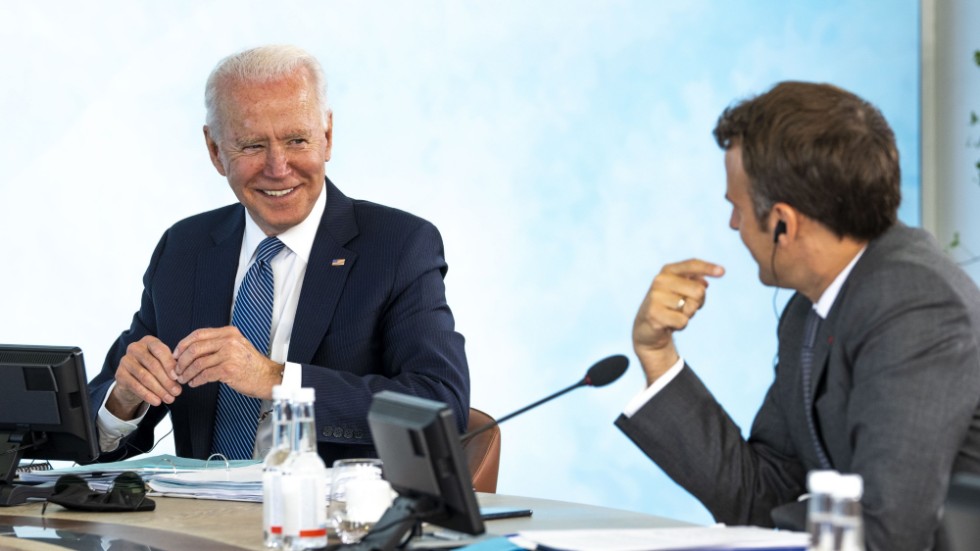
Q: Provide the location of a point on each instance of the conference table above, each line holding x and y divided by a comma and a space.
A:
199, 524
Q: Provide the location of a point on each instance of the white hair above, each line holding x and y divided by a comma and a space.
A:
261, 64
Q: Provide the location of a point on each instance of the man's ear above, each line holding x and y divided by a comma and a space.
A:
328, 146
783, 221
780, 230
214, 152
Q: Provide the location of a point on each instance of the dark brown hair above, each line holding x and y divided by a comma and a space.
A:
820, 149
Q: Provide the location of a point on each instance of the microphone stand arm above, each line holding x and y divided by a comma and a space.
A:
489, 426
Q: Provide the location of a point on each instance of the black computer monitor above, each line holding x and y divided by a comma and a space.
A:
423, 460
44, 413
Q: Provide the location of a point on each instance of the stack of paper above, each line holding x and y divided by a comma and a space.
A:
238, 484
174, 476
715, 538
215, 479
146, 467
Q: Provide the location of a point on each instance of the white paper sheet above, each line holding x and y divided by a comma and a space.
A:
668, 539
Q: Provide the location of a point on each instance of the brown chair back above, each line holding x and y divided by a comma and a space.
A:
483, 452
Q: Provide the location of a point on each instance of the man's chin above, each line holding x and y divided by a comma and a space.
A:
768, 279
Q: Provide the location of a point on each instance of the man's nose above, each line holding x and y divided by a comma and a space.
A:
276, 162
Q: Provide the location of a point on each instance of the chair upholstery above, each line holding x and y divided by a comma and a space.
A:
483, 452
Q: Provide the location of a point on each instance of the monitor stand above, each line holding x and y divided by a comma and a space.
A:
12, 446
18, 494
403, 518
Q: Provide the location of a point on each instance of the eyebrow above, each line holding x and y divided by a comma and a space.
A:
298, 133
242, 142
288, 135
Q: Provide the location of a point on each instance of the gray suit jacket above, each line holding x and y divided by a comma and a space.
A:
896, 389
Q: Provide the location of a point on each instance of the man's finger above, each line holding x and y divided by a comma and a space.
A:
205, 334
148, 362
140, 382
672, 287
163, 356
193, 364
695, 268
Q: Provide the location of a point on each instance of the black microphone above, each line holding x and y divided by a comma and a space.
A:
601, 373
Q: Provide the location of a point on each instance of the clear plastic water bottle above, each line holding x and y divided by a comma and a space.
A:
272, 505
819, 518
847, 518
304, 481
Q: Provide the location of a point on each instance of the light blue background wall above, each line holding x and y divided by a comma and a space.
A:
562, 147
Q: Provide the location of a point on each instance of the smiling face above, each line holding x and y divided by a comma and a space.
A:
272, 143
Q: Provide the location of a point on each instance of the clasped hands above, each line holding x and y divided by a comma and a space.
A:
150, 372
675, 295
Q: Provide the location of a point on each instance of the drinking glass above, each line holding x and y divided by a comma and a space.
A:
359, 495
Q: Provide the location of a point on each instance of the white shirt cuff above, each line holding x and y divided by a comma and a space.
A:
113, 429
292, 375
642, 398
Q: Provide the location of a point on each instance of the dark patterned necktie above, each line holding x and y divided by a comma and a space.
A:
806, 366
237, 417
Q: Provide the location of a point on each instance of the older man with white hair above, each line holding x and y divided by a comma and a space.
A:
296, 284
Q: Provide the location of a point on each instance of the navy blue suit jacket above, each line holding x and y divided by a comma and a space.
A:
378, 322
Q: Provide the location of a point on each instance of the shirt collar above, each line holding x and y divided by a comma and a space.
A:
299, 238
822, 306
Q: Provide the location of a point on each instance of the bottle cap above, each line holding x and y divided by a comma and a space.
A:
280, 392
821, 482
305, 394
849, 486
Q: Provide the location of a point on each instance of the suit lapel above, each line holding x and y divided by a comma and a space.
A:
213, 291
216, 269
326, 274
821, 349
818, 385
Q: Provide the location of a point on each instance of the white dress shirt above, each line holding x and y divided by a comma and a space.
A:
822, 307
288, 269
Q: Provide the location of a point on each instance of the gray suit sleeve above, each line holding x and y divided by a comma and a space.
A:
690, 436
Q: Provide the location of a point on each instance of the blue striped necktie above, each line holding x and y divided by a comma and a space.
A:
806, 365
237, 417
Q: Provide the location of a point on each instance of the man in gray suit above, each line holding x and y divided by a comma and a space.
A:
879, 359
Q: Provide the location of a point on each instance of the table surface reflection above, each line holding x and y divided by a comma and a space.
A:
227, 525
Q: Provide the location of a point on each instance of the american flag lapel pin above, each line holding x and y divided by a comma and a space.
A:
338, 261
